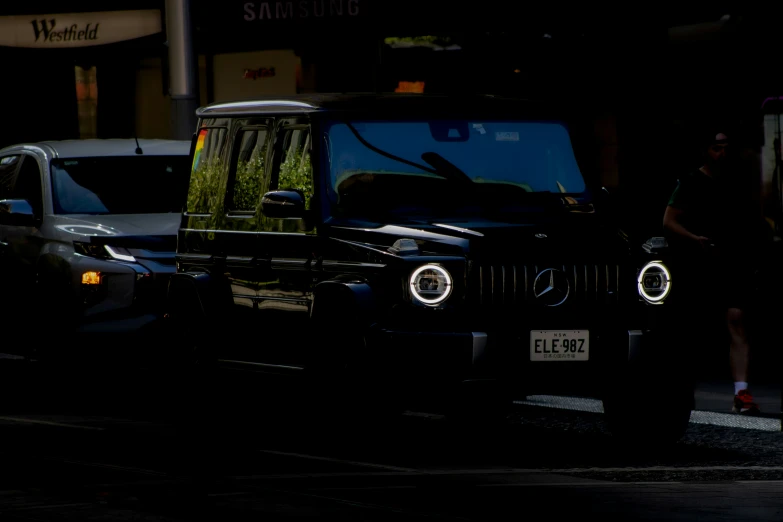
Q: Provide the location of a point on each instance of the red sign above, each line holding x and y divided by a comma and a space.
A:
261, 72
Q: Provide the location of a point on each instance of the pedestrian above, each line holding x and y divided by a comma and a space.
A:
713, 222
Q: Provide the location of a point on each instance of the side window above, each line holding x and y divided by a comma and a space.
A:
8, 169
247, 176
204, 190
296, 170
28, 185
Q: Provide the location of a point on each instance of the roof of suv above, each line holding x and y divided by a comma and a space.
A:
391, 104
87, 148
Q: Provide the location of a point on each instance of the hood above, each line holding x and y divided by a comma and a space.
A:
119, 224
563, 235
152, 232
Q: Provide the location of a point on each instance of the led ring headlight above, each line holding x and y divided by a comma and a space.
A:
431, 284
654, 282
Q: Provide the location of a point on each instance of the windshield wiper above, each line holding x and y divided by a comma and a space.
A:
445, 168
388, 154
440, 165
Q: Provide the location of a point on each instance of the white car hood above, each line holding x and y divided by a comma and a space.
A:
120, 224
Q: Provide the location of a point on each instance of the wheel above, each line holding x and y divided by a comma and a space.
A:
57, 306
190, 371
649, 404
352, 390
195, 373
649, 411
352, 397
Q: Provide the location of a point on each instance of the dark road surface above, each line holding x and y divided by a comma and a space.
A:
82, 445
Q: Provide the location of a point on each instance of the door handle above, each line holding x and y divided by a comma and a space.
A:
261, 262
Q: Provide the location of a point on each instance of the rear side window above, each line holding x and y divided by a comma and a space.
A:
296, 169
205, 193
28, 185
247, 176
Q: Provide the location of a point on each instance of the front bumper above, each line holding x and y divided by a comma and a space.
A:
130, 298
438, 359
117, 325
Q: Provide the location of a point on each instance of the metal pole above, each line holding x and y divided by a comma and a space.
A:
183, 79
776, 176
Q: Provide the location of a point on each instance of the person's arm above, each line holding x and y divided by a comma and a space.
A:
673, 223
679, 203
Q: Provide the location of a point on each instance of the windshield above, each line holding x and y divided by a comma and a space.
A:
119, 184
407, 165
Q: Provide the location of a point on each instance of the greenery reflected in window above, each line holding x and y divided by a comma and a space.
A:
437, 43
296, 171
204, 191
250, 168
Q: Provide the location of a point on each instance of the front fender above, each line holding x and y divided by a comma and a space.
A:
345, 300
197, 296
52, 268
54, 286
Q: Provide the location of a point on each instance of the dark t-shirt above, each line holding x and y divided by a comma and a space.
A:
718, 209
704, 202
726, 210
722, 210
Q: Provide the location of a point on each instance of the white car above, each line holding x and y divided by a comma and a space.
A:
88, 231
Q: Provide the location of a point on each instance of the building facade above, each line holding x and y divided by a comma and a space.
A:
84, 69
649, 79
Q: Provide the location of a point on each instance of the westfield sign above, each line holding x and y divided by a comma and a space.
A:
78, 29
47, 29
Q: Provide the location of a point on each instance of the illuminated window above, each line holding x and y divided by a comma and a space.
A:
87, 100
410, 87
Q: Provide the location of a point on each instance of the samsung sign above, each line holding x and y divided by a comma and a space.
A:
300, 9
78, 29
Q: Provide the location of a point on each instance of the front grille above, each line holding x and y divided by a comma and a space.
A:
503, 285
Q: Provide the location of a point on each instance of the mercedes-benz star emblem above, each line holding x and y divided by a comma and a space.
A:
551, 287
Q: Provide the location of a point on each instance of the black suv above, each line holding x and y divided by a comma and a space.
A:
422, 247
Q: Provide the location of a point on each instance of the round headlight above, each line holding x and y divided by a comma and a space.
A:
431, 284
654, 282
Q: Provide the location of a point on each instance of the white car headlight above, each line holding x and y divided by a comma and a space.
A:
654, 282
120, 253
431, 284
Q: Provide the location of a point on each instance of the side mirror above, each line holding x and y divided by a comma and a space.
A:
17, 212
655, 245
284, 204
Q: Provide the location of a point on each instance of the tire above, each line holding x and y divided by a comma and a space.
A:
192, 406
353, 390
194, 375
352, 397
650, 412
58, 308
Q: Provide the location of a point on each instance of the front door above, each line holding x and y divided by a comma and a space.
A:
9, 167
20, 246
238, 236
292, 248
26, 242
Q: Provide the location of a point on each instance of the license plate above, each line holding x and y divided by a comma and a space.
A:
559, 345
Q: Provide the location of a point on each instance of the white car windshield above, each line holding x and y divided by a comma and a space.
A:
119, 185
